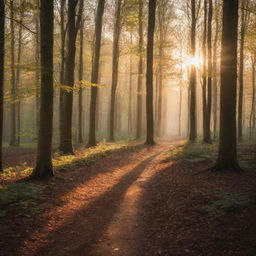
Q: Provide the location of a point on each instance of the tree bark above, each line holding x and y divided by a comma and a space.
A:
2, 40
13, 140
66, 146
80, 93
227, 157
95, 73
192, 80
44, 167
140, 73
149, 75
115, 66
207, 137
244, 21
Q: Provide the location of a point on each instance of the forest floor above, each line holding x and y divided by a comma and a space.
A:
134, 201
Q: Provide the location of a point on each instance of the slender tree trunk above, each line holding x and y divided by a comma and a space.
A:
180, 110
62, 64
13, 141
37, 63
207, 137
18, 72
80, 93
66, 146
244, 21
192, 84
149, 75
252, 114
130, 123
140, 73
115, 65
215, 79
227, 158
43, 167
204, 86
2, 39
95, 72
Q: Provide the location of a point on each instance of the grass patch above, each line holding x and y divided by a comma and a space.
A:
192, 152
22, 197
225, 203
84, 156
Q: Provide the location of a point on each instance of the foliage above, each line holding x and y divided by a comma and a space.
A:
192, 152
84, 156
22, 196
225, 203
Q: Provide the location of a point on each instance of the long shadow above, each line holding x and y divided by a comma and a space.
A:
172, 222
14, 231
81, 231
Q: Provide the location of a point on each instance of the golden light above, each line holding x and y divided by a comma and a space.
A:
193, 61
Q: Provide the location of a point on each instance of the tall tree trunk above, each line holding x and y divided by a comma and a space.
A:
115, 65
244, 21
227, 158
215, 77
18, 72
207, 137
80, 93
130, 120
149, 75
204, 86
180, 110
66, 146
140, 73
192, 82
2, 39
95, 73
37, 63
43, 167
252, 114
63, 60
13, 141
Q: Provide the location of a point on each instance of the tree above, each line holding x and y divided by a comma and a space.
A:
207, 135
227, 157
140, 72
2, 39
80, 77
149, 75
192, 82
115, 65
244, 24
66, 146
44, 167
95, 73
13, 140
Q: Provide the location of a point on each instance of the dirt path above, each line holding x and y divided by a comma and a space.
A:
123, 233
96, 211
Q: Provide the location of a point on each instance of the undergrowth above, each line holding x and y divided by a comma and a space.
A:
21, 197
225, 203
84, 156
192, 152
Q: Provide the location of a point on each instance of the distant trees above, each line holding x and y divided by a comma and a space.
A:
2, 40
43, 167
227, 158
149, 75
95, 73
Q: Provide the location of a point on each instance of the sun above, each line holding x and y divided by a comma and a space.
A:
193, 61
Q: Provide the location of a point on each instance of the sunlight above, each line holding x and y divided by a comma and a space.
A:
193, 61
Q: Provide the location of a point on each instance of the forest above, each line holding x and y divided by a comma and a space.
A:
127, 127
